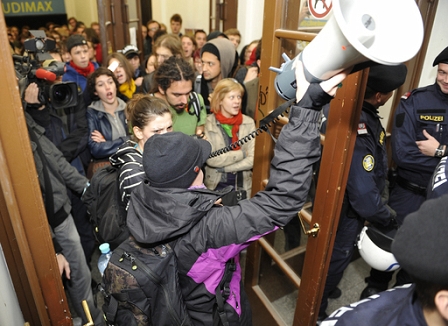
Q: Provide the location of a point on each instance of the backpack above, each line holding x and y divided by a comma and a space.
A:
105, 207
141, 287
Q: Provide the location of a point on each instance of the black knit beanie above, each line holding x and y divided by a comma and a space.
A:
173, 160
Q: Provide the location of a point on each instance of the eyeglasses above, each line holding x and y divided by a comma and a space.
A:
153, 29
208, 63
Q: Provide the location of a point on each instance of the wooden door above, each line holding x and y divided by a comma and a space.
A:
223, 14
120, 21
24, 232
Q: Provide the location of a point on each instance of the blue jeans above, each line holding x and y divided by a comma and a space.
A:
79, 285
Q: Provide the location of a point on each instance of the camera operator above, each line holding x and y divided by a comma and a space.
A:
66, 128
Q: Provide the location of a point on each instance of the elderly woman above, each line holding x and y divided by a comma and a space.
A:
224, 126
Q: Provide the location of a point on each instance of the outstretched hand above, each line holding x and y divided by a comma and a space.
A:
329, 86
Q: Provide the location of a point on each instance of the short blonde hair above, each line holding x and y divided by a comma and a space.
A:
224, 87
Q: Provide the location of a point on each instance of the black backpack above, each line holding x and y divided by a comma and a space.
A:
141, 287
106, 209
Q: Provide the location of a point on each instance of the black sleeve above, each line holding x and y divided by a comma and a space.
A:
76, 141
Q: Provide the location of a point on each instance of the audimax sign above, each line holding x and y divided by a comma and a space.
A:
32, 8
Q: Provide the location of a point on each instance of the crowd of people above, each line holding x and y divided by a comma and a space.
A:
157, 113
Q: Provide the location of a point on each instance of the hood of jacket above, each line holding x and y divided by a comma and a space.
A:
98, 105
127, 152
158, 215
227, 55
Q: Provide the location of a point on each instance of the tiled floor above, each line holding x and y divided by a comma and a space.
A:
351, 285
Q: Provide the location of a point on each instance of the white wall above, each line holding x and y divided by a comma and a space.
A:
10, 313
250, 21
195, 14
83, 10
437, 42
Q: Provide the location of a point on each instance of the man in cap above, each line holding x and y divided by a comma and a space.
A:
365, 198
173, 204
419, 139
420, 248
219, 61
80, 65
132, 53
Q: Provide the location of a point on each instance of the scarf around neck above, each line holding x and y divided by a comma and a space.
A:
83, 71
128, 88
234, 122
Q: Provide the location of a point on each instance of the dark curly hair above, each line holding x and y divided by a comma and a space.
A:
91, 80
172, 69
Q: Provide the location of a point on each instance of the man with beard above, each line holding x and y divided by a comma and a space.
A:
174, 79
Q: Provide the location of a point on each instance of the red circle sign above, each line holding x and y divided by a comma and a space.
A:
319, 8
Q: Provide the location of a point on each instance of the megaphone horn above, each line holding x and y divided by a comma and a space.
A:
357, 31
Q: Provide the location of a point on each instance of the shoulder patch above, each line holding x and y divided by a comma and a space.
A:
368, 162
362, 128
406, 95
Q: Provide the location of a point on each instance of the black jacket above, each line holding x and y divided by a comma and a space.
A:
207, 235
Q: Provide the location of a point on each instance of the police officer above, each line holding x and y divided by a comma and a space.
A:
419, 139
366, 193
438, 185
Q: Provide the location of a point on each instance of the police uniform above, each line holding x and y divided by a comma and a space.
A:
424, 108
362, 201
438, 184
395, 307
366, 182
413, 247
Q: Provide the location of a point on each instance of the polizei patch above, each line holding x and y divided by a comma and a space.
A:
368, 163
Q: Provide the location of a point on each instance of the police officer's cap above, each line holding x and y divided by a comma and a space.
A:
420, 245
442, 57
385, 79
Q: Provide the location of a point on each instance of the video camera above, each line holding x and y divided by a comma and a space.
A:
29, 70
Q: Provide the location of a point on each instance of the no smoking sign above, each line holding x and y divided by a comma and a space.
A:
319, 8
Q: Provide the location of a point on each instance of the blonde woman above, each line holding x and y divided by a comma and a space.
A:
224, 126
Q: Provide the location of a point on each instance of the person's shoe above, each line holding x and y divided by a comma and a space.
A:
368, 291
321, 318
336, 293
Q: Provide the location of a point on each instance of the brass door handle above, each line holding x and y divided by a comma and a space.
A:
313, 231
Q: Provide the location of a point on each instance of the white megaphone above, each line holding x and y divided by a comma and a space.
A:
388, 32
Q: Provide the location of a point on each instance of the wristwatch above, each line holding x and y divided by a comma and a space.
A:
440, 151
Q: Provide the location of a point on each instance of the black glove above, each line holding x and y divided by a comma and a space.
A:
315, 98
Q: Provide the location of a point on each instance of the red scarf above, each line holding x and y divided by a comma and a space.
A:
235, 122
83, 71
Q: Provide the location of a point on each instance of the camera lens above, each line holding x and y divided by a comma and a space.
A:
61, 93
